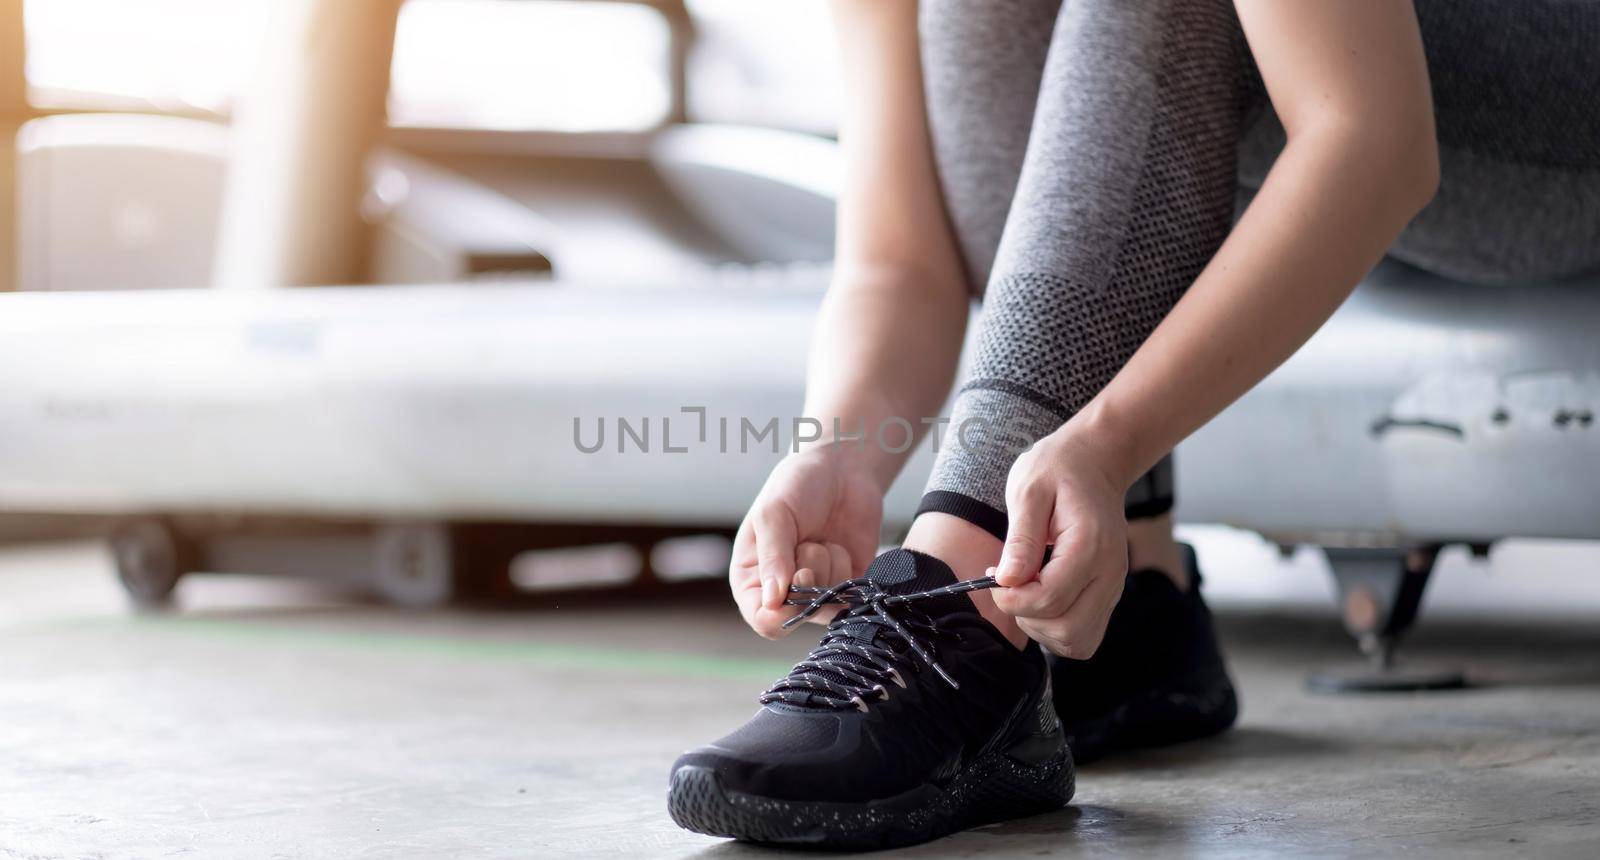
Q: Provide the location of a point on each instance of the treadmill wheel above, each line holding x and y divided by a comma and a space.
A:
150, 557
415, 564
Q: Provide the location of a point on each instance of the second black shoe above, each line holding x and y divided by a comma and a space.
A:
912, 719
1158, 677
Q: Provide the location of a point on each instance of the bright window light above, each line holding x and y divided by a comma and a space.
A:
558, 65
765, 63
513, 64
176, 55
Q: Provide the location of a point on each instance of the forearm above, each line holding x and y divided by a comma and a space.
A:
889, 333
883, 349
1331, 205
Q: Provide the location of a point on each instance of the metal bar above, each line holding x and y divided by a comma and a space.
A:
291, 212
14, 111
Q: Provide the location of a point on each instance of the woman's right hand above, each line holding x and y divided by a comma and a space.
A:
815, 522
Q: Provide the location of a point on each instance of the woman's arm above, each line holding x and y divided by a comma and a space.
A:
888, 337
899, 291
1350, 84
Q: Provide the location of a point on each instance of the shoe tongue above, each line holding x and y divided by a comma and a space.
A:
905, 571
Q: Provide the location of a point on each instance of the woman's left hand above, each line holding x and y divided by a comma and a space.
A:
1059, 494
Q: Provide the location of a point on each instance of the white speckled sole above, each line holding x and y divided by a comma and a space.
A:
995, 787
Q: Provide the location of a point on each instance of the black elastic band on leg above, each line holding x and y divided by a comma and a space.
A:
983, 516
1148, 509
1151, 495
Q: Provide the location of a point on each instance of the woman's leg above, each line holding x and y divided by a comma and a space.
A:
1518, 120
982, 65
1123, 191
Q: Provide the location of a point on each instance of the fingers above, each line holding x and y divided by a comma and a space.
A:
775, 554
841, 566
821, 565
814, 564
1078, 632
1068, 607
748, 583
745, 581
1026, 535
858, 550
767, 560
810, 502
1057, 587
1044, 598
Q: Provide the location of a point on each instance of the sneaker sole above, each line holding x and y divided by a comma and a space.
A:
996, 787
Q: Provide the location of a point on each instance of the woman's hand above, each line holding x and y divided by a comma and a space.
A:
1060, 494
899, 290
816, 522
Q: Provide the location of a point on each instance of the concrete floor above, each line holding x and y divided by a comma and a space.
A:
271, 719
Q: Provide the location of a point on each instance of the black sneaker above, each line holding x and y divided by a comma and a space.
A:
912, 719
1158, 677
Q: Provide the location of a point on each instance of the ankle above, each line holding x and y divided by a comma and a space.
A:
970, 551
1152, 546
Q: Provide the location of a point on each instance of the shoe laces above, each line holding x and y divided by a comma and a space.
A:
847, 670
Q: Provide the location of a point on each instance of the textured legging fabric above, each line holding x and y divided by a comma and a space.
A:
1090, 153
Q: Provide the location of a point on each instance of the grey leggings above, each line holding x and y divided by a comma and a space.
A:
1090, 154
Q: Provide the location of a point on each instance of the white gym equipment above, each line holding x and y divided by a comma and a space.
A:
400, 436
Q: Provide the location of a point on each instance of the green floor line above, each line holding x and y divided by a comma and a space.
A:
675, 664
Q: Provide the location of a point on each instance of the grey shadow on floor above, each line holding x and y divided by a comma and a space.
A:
1245, 743
1050, 824
1076, 825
